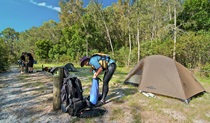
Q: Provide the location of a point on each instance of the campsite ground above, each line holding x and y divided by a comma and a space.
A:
28, 98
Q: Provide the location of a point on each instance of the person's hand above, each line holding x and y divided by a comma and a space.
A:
94, 75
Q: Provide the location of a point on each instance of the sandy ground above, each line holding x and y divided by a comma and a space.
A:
27, 98
22, 101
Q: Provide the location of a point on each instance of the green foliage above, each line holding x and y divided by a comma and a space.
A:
157, 47
4, 56
43, 48
192, 49
95, 51
205, 69
121, 57
65, 59
195, 15
10, 37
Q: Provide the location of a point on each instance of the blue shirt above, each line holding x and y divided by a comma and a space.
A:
94, 62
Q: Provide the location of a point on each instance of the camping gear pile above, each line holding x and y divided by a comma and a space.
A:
72, 96
72, 100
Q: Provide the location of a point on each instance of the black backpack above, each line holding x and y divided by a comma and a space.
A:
72, 100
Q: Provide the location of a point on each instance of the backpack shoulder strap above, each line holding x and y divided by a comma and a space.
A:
78, 87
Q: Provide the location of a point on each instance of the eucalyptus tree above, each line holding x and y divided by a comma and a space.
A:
50, 30
138, 12
10, 37
175, 32
116, 16
120, 25
27, 40
94, 35
72, 12
69, 12
103, 21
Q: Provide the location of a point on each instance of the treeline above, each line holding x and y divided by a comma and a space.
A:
127, 30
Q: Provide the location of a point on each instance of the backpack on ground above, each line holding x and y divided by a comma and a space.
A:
72, 100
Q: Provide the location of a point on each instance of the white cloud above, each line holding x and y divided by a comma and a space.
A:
43, 4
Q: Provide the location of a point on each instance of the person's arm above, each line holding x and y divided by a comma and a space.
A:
98, 72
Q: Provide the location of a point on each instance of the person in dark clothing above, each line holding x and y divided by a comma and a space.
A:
99, 64
23, 61
30, 62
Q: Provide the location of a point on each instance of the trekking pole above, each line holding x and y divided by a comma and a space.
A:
57, 84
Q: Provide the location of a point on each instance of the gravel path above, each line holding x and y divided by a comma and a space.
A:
27, 98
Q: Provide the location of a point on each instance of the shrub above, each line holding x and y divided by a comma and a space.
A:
4, 56
206, 70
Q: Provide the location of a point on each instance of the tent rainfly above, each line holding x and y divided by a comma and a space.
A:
164, 76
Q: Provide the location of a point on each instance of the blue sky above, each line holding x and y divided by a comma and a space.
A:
21, 15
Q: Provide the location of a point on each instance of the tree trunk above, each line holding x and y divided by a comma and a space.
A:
108, 35
107, 30
137, 38
129, 55
85, 38
174, 52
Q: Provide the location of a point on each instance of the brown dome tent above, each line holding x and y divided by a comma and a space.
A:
162, 75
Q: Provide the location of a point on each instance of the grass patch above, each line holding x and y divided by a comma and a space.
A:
117, 113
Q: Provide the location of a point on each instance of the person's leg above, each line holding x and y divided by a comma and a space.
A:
22, 67
32, 66
29, 66
107, 77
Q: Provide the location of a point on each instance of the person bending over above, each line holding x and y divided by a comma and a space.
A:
100, 63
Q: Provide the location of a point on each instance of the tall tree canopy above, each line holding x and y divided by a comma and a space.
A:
128, 30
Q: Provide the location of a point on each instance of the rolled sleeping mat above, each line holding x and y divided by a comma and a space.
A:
94, 93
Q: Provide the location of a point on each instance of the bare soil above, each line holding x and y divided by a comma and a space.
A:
28, 98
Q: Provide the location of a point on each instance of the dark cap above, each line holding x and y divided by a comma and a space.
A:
83, 59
